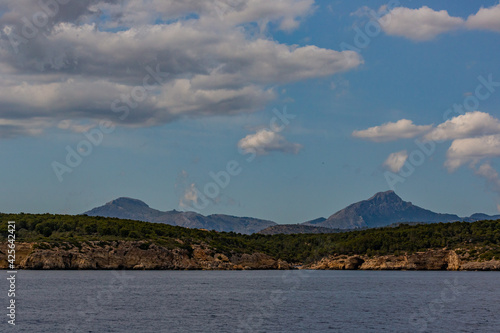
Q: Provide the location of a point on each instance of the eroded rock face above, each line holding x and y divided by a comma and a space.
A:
491, 265
342, 262
429, 260
144, 255
133, 255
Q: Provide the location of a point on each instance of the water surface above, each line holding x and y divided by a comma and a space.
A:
255, 301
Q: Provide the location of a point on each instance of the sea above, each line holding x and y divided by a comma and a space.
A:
252, 301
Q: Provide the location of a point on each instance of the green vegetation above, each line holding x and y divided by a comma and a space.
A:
480, 239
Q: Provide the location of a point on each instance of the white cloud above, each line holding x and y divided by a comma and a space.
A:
485, 19
402, 129
395, 161
266, 141
491, 177
425, 23
419, 24
189, 197
468, 125
472, 150
23, 127
212, 61
285, 13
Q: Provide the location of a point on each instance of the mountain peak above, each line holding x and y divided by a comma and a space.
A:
133, 209
386, 196
127, 202
382, 209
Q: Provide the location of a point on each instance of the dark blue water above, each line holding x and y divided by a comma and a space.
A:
254, 301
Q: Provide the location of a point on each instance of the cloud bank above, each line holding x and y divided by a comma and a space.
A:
424, 23
155, 61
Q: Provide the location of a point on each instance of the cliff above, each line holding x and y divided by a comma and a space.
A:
147, 256
132, 255
428, 260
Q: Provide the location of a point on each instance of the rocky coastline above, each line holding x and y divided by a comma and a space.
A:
142, 255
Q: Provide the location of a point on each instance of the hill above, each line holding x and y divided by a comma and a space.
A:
83, 242
133, 209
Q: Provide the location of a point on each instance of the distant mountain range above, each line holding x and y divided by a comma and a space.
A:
133, 209
383, 209
387, 208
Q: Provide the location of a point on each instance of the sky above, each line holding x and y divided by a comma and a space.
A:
285, 110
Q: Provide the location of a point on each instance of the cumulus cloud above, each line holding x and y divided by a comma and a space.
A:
395, 161
491, 176
189, 197
474, 136
266, 141
424, 23
419, 24
402, 129
206, 58
470, 124
485, 19
472, 150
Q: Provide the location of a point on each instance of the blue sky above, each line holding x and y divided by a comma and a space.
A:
227, 68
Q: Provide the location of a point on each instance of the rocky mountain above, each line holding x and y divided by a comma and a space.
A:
383, 209
289, 229
133, 209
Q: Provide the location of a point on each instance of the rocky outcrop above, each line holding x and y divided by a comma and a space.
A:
148, 256
429, 260
491, 265
132, 255
341, 262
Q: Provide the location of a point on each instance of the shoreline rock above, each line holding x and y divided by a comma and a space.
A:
132, 255
429, 260
143, 255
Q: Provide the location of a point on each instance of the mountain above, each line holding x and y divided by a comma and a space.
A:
289, 229
481, 217
133, 209
383, 209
